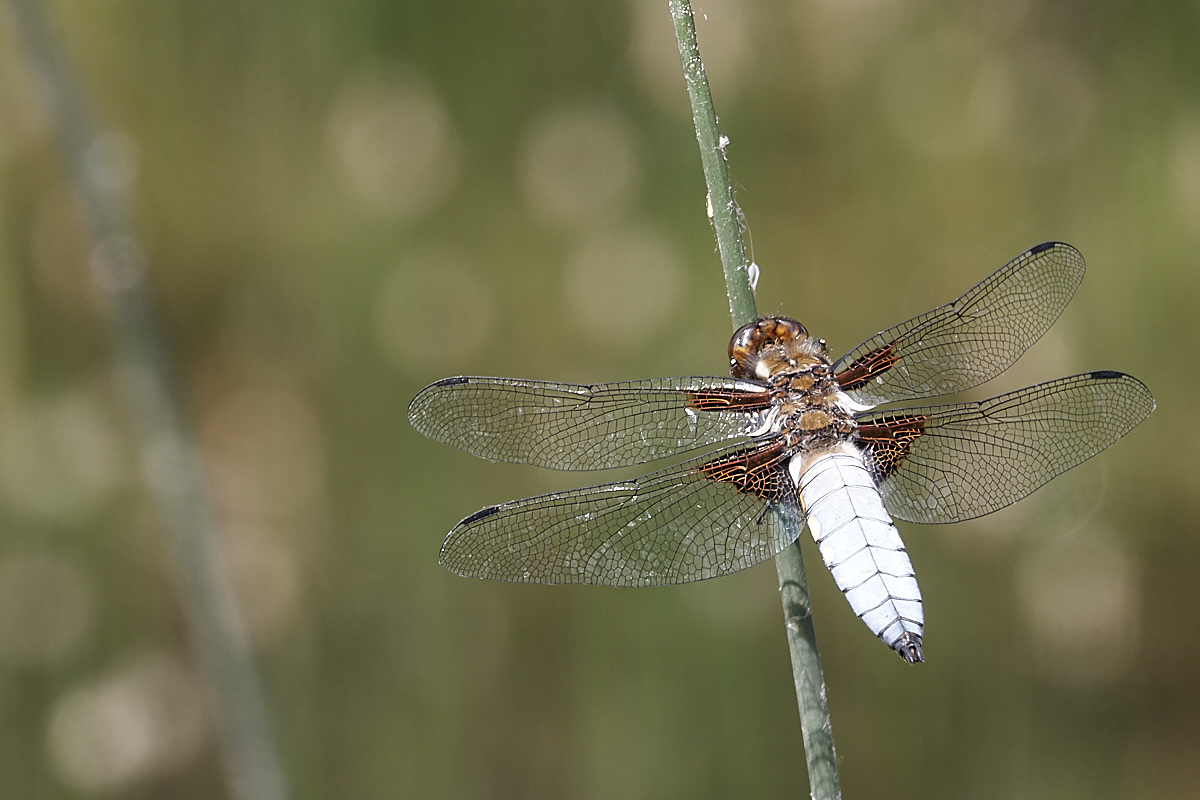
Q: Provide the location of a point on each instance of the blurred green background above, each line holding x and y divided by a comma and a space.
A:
342, 202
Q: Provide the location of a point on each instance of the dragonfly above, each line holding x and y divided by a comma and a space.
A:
790, 439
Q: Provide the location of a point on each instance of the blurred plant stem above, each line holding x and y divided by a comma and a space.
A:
793, 585
167, 454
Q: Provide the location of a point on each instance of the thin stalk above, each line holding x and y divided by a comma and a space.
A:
167, 454
793, 584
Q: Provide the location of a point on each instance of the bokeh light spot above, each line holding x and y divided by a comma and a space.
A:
266, 468
577, 164
622, 287
117, 264
395, 143
432, 312
146, 720
266, 581
45, 608
111, 161
263, 448
945, 96
59, 457
1081, 599
1183, 172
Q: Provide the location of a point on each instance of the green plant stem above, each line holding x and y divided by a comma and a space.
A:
793, 584
722, 208
168, 456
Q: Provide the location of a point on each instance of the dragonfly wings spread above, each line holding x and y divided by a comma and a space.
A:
955, 462
706, 517
575, 427
970, 341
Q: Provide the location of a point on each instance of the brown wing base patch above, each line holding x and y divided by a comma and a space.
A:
754, 471
860, 373
719, 400
890, 439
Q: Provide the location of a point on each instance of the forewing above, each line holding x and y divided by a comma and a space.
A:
969, 341
575, 427
955, 462
707, 517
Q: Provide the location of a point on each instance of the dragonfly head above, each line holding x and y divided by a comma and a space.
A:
771, 345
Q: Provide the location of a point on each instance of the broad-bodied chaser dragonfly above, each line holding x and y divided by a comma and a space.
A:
790, 438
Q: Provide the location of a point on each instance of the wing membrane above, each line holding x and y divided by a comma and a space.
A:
574, 427
693, 521
955, 462
970, 341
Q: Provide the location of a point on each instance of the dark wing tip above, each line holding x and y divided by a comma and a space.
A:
421, 401
452, 558
1133, 383
1071, 255
909, 647
482, 513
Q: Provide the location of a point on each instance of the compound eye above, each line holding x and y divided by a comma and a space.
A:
788, 330
744, 348
766, 346
746, 337
767, 331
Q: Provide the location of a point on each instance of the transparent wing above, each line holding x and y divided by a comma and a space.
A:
971, 340
706, 517
955, 462
573, 427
